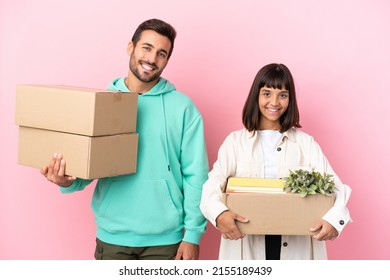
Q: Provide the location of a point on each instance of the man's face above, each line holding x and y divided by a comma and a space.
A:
149, 56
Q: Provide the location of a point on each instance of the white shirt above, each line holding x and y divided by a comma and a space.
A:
269, 140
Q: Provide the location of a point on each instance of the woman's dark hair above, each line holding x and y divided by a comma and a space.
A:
274, 76
158, 26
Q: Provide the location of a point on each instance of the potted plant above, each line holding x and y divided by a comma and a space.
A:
306, 182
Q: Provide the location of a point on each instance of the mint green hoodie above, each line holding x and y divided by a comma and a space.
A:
159, 204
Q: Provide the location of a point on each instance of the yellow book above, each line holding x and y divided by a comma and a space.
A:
231, 189
240, 184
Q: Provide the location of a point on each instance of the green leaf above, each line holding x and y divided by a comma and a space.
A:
305, 182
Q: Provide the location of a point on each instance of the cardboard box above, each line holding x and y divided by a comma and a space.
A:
86, 157
77, 110
278, 213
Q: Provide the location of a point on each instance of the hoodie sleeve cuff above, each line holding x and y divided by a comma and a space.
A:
70, 189
77, 185
192, 236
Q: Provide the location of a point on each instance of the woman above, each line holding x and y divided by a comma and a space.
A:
270, 146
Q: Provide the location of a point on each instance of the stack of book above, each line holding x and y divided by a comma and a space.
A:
248, 185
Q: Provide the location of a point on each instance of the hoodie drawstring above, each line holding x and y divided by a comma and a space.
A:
165, 132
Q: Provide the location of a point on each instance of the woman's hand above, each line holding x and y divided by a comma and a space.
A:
226, 223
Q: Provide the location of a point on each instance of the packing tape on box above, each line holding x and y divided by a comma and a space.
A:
117, 96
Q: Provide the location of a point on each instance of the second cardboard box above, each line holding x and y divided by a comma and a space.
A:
86, 157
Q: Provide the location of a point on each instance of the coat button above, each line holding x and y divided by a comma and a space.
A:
341, 222
285, 244
279, 149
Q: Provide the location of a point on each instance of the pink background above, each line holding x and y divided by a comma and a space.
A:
338, 52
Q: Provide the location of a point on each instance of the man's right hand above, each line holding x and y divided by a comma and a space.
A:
55, 172
226, 223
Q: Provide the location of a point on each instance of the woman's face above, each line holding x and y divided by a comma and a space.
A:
273, 103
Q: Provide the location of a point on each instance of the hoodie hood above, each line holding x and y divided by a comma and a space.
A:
163, 86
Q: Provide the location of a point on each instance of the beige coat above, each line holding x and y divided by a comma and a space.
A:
241, 155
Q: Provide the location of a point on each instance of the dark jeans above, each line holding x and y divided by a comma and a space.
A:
105, 251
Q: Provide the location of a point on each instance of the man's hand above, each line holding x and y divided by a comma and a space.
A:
327, 231
187, 251
55, 172
226, 223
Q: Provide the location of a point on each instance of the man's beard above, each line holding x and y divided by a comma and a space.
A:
144, 78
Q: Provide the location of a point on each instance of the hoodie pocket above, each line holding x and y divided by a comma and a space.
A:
143, 208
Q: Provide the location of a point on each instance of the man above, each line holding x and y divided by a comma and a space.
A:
154, 213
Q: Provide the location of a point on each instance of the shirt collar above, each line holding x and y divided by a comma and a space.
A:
289, 134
